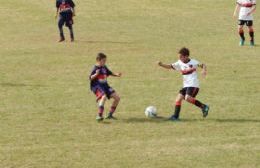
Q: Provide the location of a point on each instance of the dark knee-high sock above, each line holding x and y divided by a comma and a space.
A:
251, 34
100, 111
61, 33
197, 103
177, 110
242, 35
71, 33
112, 110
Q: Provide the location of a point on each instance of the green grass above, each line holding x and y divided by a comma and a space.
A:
47, 113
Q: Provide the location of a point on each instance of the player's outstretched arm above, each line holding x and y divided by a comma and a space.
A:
116, 74
166, 66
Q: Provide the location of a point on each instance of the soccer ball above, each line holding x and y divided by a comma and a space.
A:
150, 112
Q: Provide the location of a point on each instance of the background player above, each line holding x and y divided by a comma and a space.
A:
246, 8
66, 11
100, 87
188, 68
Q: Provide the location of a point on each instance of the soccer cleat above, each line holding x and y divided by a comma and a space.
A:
173, 118
61, 40
99, 118
242, 42
205, 111
252, 43
110, 117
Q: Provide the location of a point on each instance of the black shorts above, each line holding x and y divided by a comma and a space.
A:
191, 91
66, 18
102, 90
245, 22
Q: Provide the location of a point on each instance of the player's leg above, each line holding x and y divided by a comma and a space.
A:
60, 25
251, 32
177, 109
101, 100
71, 33
69, 23
101, 105
191, 98
116, 100
241, 32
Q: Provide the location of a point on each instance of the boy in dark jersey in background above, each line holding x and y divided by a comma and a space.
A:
100, 87
66, 11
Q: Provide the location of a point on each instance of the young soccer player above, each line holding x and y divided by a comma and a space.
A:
100, 87
246, 8
66, 12
188, 68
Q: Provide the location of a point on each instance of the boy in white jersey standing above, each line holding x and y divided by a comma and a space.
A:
188, 68
246, 8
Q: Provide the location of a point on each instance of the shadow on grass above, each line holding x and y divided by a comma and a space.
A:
104, 42
163, 119
19, 85
145, 120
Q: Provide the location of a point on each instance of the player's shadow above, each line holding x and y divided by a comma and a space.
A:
104, 42
223, 120
157, 119
19, 85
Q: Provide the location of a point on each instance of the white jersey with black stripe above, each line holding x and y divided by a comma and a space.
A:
188, 71
245, 8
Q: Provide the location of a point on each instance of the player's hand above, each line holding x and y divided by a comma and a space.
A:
97, 71
119, 74
249, 13
204, 74
56, 16
159, 63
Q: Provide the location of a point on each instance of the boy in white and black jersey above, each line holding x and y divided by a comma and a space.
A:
188, 68
246, 8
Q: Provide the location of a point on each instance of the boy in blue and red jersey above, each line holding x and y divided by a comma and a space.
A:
99, 86
66, 11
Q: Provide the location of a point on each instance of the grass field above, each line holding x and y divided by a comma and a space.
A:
47, 113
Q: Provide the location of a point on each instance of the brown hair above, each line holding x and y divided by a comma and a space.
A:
184, 51
100, 56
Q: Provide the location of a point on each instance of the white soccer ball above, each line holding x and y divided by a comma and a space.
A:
150, 112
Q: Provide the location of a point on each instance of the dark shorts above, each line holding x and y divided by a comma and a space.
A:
102, 90
245, 22
65, 18
191, 91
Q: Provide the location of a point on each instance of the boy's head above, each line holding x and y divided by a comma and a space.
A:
101, 59
184, 54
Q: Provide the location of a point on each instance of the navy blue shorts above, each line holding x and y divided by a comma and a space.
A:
191, 91
102, 90
245, 22
65, 18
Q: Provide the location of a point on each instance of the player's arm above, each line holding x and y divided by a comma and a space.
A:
116, 74
204, 69
94, 74
237, 8
253, 9
166, 66
72, 4
58, 9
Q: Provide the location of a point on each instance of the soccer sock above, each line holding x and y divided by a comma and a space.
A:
197, 103
241, 33
71, 33
112, 110
177, 109
100, 111
251, 34
61, 33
